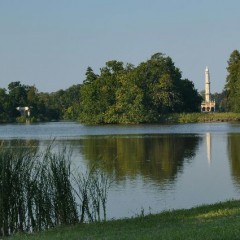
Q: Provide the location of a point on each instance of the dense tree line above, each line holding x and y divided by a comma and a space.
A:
128, 94
120, 93
43, 106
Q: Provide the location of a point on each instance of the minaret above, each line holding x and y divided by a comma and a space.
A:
207, 85
207, 105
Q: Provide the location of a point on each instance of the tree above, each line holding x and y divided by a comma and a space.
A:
90, 102
232, 86
98, 92
165, 95
4, 106
136, 94
17, 94
129, 107
90, 76
221, 101
32, 95
191, 99
17, 98
72, 102
33, 100
160, 83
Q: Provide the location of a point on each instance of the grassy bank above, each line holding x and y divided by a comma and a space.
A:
201, 117
218, 221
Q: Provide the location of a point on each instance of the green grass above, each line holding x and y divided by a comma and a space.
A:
200, 117
217, 221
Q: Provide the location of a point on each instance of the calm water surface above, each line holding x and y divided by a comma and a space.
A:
153, 167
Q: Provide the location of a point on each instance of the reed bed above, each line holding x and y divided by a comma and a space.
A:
40, 190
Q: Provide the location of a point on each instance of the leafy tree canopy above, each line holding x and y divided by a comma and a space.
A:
232, 86
128, 94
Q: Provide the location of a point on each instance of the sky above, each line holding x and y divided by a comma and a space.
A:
50, 43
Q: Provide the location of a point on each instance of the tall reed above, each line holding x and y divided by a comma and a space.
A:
39, 190
15, 175
92, 189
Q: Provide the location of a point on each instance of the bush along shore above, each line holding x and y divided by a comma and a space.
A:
217, 221
200, 117
40, 190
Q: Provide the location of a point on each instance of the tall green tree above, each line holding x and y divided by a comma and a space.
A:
160, 85
221, 101
129, 105
72, 102
90, 107
33, 100
232, 86
98, 93
17, 97
191, 99
4, 106
165, 95
90, 76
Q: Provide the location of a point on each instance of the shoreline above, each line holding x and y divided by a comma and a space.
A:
201, 117
172, 118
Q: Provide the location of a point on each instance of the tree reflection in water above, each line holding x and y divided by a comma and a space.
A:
158, 157
234, 157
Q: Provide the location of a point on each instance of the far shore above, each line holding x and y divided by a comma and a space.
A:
172, 118
201, 117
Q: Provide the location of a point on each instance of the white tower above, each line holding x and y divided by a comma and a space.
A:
207, 105
207, 85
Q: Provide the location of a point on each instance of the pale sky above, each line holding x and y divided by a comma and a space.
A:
50, 43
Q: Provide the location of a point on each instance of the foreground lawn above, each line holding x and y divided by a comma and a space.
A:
218, 221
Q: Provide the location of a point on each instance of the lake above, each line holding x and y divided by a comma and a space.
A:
152, 167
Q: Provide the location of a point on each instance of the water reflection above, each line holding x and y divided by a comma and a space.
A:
157, 157
161, 166
209, 147
29, 143
234, 157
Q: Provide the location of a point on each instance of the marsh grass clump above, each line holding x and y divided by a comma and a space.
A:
14, 182
92, 194
38, 190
